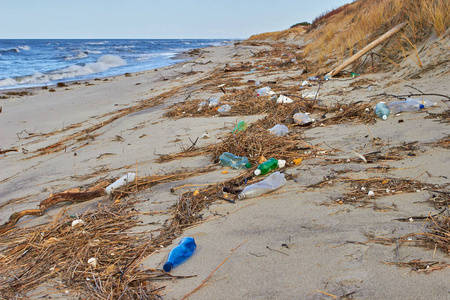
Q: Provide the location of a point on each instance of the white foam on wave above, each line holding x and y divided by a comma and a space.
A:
26, 48
97, 43
79, 55
103, 64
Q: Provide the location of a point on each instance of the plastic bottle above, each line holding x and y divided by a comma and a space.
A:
401, 106
224, 109
241, 126
271, 183
382, 111
263, 91
236, 162
269, 165
279, 129
129, 177
425, 102
180, 253
214, 101
302, 119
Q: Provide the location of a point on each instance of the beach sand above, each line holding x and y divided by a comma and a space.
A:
300, 242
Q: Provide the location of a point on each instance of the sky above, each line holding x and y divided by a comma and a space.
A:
154, 19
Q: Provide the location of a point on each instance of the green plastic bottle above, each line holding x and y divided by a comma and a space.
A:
269, 165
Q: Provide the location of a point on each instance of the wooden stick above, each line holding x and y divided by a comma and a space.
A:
367, 48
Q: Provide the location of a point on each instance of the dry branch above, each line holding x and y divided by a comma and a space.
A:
367, 49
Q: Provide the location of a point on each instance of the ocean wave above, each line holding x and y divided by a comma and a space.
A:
26, 48
79, 55
97, 43
9, 50
103, 64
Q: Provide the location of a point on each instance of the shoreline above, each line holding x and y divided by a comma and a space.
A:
306, 239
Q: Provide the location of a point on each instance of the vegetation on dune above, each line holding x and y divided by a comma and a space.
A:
337, 34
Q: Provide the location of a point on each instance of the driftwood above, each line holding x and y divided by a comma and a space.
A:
50, 201
367, 49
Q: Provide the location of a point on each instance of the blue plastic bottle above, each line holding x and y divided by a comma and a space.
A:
180, 253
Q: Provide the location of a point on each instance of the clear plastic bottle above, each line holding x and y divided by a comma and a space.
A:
279, 129
401, 106
236, 162
180, 253
271, 183
269, 165
302, 119
382, 111
425, 102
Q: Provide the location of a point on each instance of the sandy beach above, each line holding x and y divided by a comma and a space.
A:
320, 236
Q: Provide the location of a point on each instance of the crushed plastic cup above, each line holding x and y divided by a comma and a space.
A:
279, 129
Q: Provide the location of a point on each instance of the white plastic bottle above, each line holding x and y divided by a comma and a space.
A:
271, 183
129, 177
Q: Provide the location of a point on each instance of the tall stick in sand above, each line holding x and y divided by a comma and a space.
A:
367, 48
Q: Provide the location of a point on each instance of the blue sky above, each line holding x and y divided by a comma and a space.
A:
154, 19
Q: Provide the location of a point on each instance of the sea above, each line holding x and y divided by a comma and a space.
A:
40, 62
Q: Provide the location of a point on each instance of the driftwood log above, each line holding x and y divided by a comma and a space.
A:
367, 49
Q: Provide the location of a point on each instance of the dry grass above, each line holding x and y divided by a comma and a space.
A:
59, 253
341, 34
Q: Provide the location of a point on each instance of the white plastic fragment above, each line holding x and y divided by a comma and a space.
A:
284, 99
93, 262
129, 177
371, 193
77, 222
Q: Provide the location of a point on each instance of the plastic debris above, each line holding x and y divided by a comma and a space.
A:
180, 253
279, 129
264, 91
236, 162
77, 222
284, 99
302, 119
93, 262
382, 111
224, 109
129, 177
269, 165
271, 183
241, 126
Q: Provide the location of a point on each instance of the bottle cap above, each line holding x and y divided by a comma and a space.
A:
384, 117
421, 106
257, 171
167, 267
248, 165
